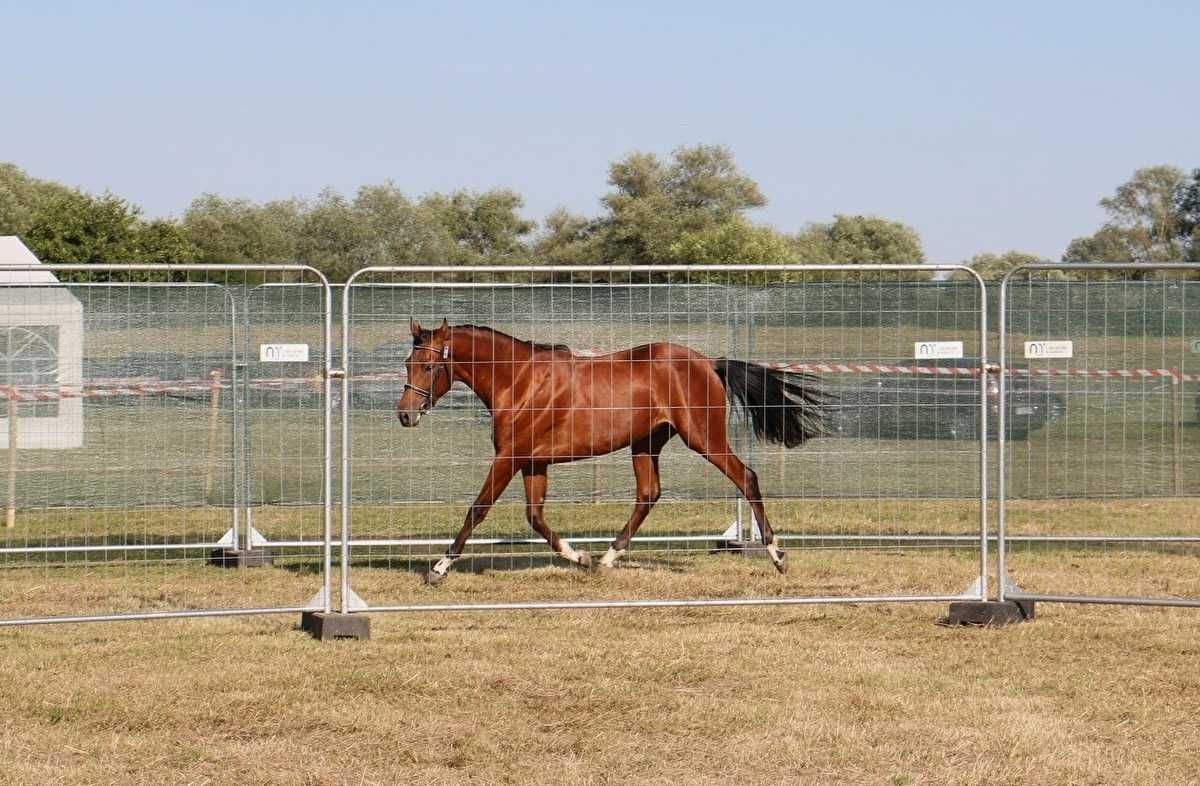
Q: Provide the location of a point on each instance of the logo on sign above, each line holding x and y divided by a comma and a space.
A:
1049, 349
283, 353
934, 350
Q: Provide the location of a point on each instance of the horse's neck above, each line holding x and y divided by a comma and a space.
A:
485, 362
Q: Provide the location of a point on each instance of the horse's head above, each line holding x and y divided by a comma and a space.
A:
428, 369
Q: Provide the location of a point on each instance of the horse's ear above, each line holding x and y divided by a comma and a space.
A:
415, 327
444, 330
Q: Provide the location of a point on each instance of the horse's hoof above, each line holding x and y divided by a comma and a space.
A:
585, 560
781, 566
433, 577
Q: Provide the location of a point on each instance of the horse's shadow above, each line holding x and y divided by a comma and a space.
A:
479, 564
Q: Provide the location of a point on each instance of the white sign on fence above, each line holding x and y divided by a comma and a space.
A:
1049, 349
935, 350
1196, 347
283, 353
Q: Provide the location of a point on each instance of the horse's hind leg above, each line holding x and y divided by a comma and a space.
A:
747, 482
645, 470
713, 444
535, 512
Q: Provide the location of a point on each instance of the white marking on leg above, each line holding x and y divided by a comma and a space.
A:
564, 549
610, 557
443, 566
774, 551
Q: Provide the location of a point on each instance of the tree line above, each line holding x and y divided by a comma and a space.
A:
692, 208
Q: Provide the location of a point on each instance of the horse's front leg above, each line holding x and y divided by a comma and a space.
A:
535, 514
502, 471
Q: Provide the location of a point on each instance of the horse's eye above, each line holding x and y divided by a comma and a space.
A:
429, 367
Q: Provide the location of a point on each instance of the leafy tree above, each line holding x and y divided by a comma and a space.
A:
379, 227
653, 203
856, 240
1150, 219
237, 231
693, 209
733, 242
21, 197
1109, 244
1188, 205
164, 241
75, 227
487, 225
994, 267
1189, 215
567, 239
61, 224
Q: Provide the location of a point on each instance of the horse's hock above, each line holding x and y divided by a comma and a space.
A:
158, 429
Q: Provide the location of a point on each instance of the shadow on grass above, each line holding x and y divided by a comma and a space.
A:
479, 564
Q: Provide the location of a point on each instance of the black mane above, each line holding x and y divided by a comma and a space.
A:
428, 334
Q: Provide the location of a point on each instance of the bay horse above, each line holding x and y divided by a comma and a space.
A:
549, 406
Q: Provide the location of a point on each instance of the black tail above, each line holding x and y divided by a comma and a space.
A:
783, 406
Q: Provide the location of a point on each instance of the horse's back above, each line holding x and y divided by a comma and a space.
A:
584, 406
649, 375
658, 351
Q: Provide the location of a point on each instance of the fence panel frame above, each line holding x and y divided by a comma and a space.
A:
1005, 589
320, 602
350, 601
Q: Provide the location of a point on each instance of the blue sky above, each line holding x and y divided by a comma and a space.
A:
987, 127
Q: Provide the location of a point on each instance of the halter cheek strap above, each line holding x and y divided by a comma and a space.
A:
428, 394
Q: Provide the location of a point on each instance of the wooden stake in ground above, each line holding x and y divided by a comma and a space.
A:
11, 518
1177, 429
214, 416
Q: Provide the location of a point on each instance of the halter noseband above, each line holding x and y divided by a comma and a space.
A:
428, 394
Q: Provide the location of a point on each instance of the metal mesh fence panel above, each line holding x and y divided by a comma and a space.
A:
885, 502
1109, 485
131, 479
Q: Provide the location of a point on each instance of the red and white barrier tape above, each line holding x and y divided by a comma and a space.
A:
1124, 373
867, 368
871, 368
144, 386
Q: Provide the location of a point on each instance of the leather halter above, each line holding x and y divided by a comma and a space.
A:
428, 394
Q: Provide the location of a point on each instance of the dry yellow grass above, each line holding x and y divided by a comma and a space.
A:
831, 694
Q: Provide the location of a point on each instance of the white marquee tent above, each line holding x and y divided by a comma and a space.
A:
41, 344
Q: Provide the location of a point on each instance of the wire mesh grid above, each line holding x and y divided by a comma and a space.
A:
129, 471
1109, 484
884, 502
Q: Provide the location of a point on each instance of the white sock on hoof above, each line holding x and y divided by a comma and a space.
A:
610, 557
566, 552
775, 553
443, 566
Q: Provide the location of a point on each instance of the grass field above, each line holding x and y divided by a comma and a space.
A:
809, 695
884, 533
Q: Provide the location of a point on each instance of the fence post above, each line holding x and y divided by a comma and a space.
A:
214, 413
10, 519
244, 448
1177, 429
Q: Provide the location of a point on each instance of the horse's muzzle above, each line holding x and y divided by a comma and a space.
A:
409, 418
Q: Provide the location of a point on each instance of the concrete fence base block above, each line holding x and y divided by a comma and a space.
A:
990, 613
333, 625
742, 548
226, 557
